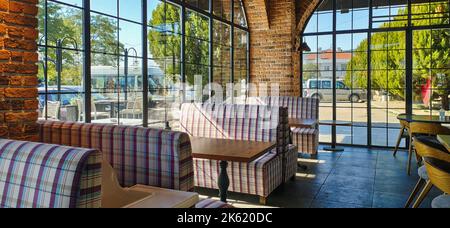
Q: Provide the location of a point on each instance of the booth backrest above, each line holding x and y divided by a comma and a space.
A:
37, 175
239, 122
298, 107
138, 155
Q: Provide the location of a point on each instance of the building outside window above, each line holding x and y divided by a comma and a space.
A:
362, 46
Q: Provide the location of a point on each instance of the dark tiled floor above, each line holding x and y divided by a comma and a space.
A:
356, 178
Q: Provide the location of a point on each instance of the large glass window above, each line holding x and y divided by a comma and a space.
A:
181, 43
363, 44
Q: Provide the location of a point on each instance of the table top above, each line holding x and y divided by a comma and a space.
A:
445, 140
302, 123
229, 149
423, 119
139, 196
335, 123
163, 198
109, 101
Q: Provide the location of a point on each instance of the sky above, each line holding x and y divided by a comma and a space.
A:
130, 33
323, 22
353, 20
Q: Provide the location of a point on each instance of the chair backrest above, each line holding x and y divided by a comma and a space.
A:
36, 175
93, 106
52, 109
428, 128
135, 104
139, 155
428, 146
80, 108
240, 122
439, 173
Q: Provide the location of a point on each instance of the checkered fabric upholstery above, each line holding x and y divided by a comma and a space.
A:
306, 139
139, 155
36, 175
240, 122
298, 107
259, 177
291, 162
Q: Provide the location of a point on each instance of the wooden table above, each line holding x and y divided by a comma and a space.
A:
228, 150
140, 196
302, 123
424, 119
163, 198
334, 124
445, 140
113, 103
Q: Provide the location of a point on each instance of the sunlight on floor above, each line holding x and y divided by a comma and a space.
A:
238, 203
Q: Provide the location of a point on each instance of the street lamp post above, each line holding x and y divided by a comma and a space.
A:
127, 52
59, 60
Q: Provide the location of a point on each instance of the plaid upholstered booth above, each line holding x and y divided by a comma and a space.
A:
243, 122
306, 139
138, 155
37, 175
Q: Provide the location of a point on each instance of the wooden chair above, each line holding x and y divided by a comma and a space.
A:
426, 146
439, 177
98, 115
404, 133
51, 110
80, 109
416, 128
94, 113
133, 108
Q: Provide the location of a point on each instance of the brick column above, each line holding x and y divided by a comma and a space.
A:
272, 49
18, 69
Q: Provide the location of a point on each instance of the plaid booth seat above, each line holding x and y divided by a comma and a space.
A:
306, 139
144, 156
37, 175
249, 123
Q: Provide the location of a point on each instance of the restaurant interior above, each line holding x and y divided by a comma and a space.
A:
224, 104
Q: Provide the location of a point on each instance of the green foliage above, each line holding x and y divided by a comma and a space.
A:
66, 22
165, 42
432, 51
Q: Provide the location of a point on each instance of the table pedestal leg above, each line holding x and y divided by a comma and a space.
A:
224, 181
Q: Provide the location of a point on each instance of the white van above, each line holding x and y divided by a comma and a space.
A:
322, 89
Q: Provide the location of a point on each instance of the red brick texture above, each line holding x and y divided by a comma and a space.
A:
18, 69
274, 57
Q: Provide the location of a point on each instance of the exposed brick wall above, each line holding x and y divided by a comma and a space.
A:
271, 48
274, 57
18, 69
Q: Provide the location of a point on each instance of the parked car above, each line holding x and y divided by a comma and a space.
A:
322, 89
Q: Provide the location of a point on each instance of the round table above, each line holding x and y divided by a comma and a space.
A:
424, 119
